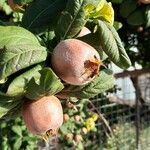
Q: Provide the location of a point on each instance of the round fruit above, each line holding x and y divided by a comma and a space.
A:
77, 118
69, 136
140, 29
144, 1
66, 117
78, 138
75, 62
84, 130
43, 116
84, 31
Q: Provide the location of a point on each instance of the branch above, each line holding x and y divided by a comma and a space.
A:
133, 73
102, 118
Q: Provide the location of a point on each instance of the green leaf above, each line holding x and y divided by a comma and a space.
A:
19, 49
17, 144
42, 14
147, 16
14, 111
2, 23
127, 7
117, 25
5, 7
112, 45
136, 18
17, 129
117, 1
7, 103
17, 57
23, 2
100, 84
73, 18
49, 84
12, 35
18, 85
92, 40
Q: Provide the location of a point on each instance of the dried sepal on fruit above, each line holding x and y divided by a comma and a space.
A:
14, 6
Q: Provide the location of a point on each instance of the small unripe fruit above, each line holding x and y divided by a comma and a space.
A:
66, 117
75, 62
77, 118
84, 130
43, 115
69, 105
69, 136
140, 29
78, 138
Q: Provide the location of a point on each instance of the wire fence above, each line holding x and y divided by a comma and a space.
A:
124, 122
128, 111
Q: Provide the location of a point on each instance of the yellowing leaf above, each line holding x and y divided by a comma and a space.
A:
100, 5
106, 13
88, 9
103, 11
92, 8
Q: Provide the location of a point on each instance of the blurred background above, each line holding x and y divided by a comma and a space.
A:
118, 119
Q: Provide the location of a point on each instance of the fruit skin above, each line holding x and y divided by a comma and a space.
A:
42, 115
84, 31
75, 62
144, 1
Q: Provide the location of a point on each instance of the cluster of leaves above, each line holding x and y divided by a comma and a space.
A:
25, 51
135, 31
135, 12
47, 22
13, 135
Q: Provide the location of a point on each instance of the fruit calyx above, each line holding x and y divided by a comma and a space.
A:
91, 67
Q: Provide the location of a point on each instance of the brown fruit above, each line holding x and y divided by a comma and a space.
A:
14, 6
75, 62
43, 116
144, 1
84, 31
140, 29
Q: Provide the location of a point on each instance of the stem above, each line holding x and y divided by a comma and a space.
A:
133, 73
103, 119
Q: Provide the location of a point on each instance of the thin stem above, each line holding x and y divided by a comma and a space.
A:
102, 118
